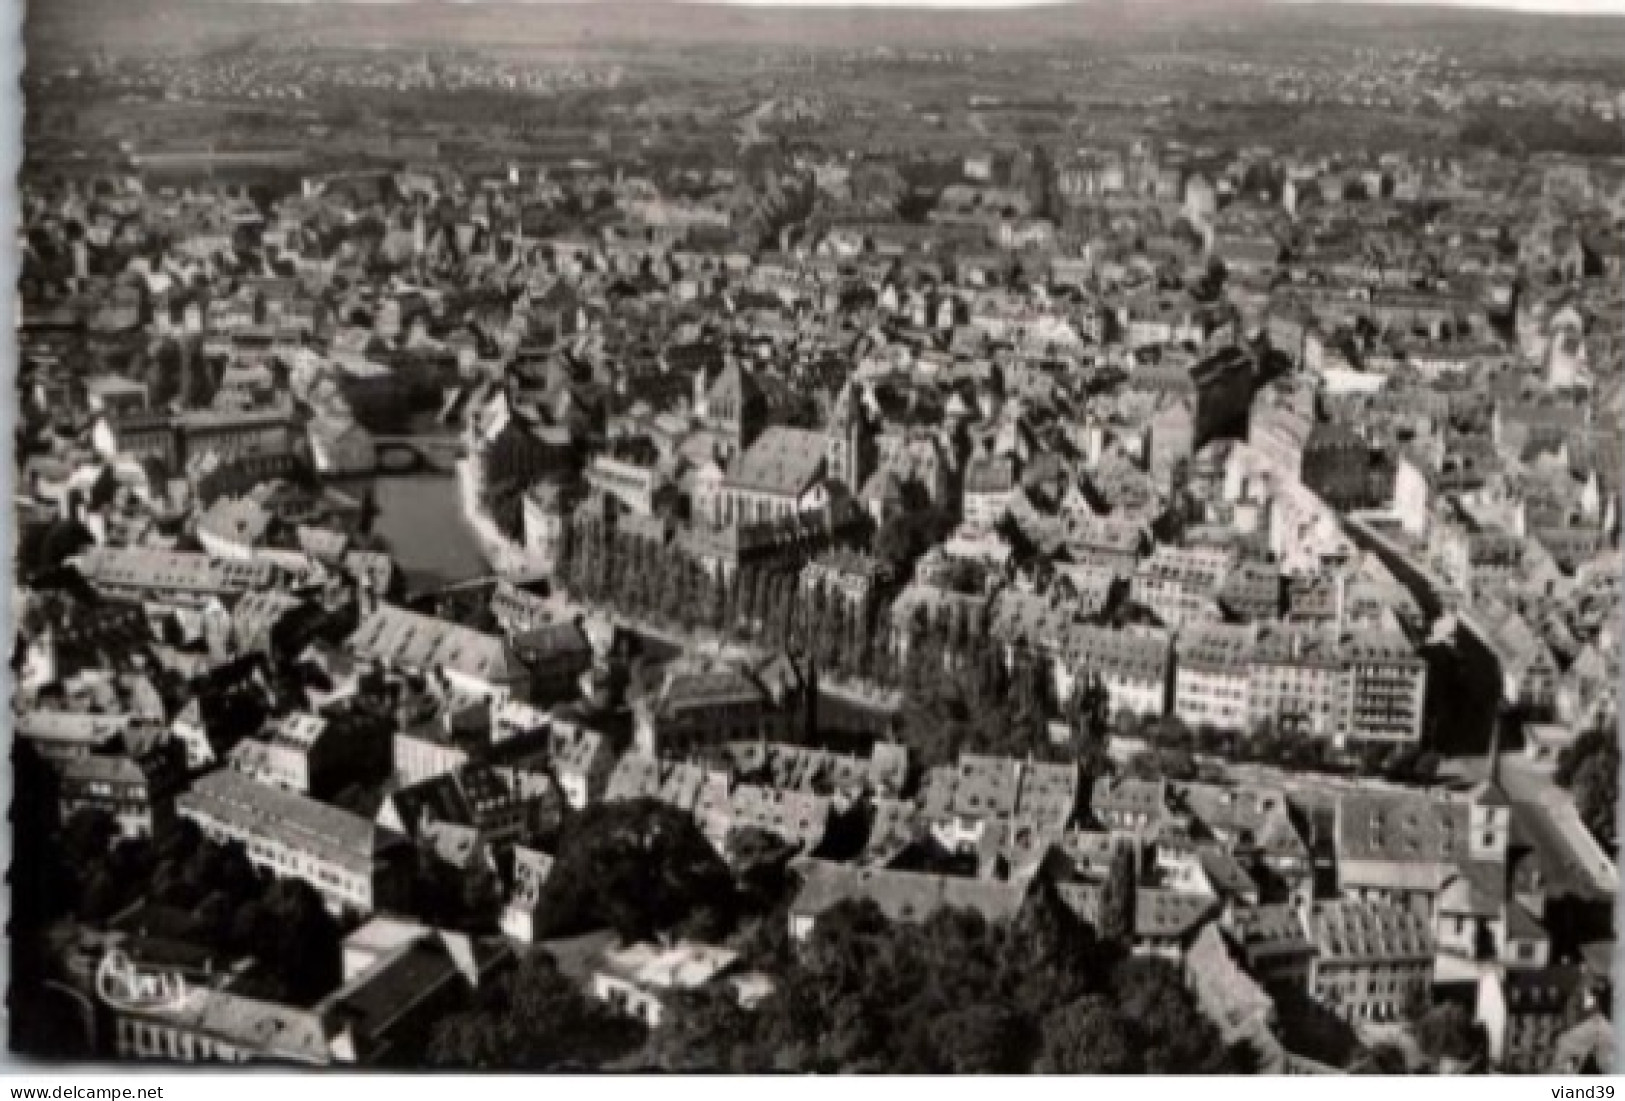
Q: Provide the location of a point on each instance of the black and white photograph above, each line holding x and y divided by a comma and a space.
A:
634, 537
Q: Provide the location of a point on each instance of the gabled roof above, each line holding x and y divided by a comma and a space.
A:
1272, 928
470, 796
1130, 795
1401, 828
171, 571
1227, 875
1479, 890
785, 461
553, 640
1371, 932
307, 824
1160, 913
396, 636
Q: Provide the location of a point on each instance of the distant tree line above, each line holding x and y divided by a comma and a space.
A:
1516, 132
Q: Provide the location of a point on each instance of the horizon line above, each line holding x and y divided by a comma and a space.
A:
1592, 8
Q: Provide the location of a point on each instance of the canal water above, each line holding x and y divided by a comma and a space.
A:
421, 523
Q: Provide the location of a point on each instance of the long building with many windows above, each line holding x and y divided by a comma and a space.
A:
353, 863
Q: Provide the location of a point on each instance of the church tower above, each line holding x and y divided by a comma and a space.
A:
1489, 815
849, 443
735, 408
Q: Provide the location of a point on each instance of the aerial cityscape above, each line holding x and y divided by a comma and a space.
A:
672, 537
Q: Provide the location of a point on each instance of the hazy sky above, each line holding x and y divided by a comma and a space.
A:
1550, 7
1584, 7
1554, 7
1572, 7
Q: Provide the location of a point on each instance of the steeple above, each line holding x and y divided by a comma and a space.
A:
734, 406
850, 444
1490, 815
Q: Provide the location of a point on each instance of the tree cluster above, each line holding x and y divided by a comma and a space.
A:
533, 1018
640, 868
1448, 1032
177, 370
954, 994
515, 461
449, 897
1589, 771
965, 691
1175, 747
229, 905
642, 578
43, 547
